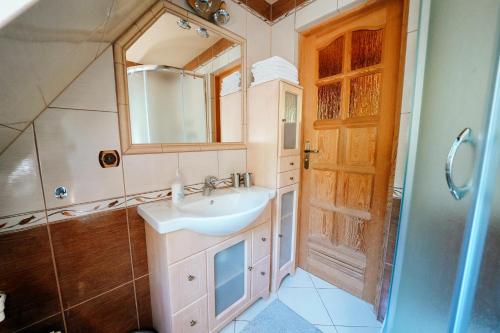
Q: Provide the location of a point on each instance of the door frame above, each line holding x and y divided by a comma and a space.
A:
343, 17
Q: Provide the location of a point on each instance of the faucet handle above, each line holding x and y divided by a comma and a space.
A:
210, 180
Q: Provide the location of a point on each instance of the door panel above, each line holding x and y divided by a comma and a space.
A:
350, 76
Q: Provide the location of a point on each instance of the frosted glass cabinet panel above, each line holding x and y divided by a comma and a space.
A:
229, 265
290, 115
286, 233
228, 278
286, 227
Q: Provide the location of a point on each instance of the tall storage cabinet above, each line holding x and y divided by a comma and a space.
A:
273, 156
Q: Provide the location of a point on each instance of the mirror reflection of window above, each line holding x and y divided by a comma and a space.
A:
184, 85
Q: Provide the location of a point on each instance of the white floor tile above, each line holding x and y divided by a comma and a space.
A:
229, 328
256, 308
320, 283
326, 329
300, 279
239, 326
346, 329
306, 303
348, 310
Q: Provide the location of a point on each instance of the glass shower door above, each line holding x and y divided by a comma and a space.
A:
457, 55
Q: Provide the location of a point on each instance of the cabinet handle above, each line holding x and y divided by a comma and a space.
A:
250, 268
291, 163
291, 178
190, 277
192, 323
264, 239
280, 235
283, 120
262, 273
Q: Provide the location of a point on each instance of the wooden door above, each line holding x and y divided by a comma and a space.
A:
350, 70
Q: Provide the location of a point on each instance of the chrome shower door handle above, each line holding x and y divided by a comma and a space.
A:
458, 192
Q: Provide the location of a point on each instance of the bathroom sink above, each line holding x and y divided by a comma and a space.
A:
224, 212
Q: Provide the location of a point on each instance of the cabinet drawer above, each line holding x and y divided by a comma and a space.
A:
261, 242
188, 281
288, 163
192, 319
260, 276
288, 178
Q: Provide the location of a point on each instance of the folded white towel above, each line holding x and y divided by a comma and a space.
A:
276, 61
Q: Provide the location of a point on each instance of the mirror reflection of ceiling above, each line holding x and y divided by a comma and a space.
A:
165, 43
47, 46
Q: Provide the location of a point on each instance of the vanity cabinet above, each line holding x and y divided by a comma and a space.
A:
273, 156
199, 283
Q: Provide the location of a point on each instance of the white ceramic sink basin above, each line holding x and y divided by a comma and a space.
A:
224, 212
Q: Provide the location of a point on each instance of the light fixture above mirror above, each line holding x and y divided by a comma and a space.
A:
212, 10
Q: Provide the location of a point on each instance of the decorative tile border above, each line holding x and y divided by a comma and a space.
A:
22, 221
69, 212
30, 219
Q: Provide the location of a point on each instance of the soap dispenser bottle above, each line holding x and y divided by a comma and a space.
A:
177, 188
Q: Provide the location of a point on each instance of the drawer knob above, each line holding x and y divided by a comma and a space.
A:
250, 268
264, 239
291, 163
280, 235
190, 277
192, 323
262, 273
291, 178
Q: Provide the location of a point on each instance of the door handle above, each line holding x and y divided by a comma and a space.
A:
307, 152
458, 192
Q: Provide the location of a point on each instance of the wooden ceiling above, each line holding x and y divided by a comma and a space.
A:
272, 12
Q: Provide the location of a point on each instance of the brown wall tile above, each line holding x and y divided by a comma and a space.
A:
138, 242
92, 255
144, 303
109, 313
27, 276
52, 324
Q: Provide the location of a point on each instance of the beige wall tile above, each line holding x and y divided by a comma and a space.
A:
195, 166
348, 4
150, 172
77, 26
258, 39
69, 142
20, 186
6, 136
237, 22
284, 39
231, 161
315, 12
94, 89
19, 92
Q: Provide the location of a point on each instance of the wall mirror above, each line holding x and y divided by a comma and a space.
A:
179, 84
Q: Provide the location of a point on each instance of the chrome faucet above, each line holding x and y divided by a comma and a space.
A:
209, 186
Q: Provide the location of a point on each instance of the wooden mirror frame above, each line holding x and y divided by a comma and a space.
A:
121, 45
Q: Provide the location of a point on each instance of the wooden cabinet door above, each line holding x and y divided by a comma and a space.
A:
285, 233
290, 113
350, 71
228, 278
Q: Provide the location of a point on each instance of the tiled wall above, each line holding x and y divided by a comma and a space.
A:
79, 264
